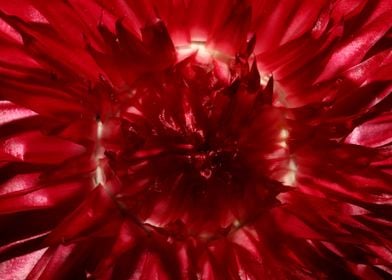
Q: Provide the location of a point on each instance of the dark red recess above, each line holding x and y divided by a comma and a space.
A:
195, 139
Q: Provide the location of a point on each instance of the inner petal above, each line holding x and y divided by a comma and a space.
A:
195, 149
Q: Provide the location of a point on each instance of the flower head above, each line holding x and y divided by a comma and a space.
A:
195, 139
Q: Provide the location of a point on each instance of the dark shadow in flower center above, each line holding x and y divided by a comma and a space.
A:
188, 149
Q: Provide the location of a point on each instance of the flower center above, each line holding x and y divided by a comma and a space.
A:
204, 54
194, 149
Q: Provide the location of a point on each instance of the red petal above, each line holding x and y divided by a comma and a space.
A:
37, 148
374, 133
352, 50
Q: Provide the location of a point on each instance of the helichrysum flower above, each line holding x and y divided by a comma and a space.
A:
195, 139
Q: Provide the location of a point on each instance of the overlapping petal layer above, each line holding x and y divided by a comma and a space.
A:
195, 139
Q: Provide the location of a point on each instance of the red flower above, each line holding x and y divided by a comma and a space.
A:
197, 139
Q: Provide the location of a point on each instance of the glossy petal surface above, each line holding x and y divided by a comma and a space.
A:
195, 139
